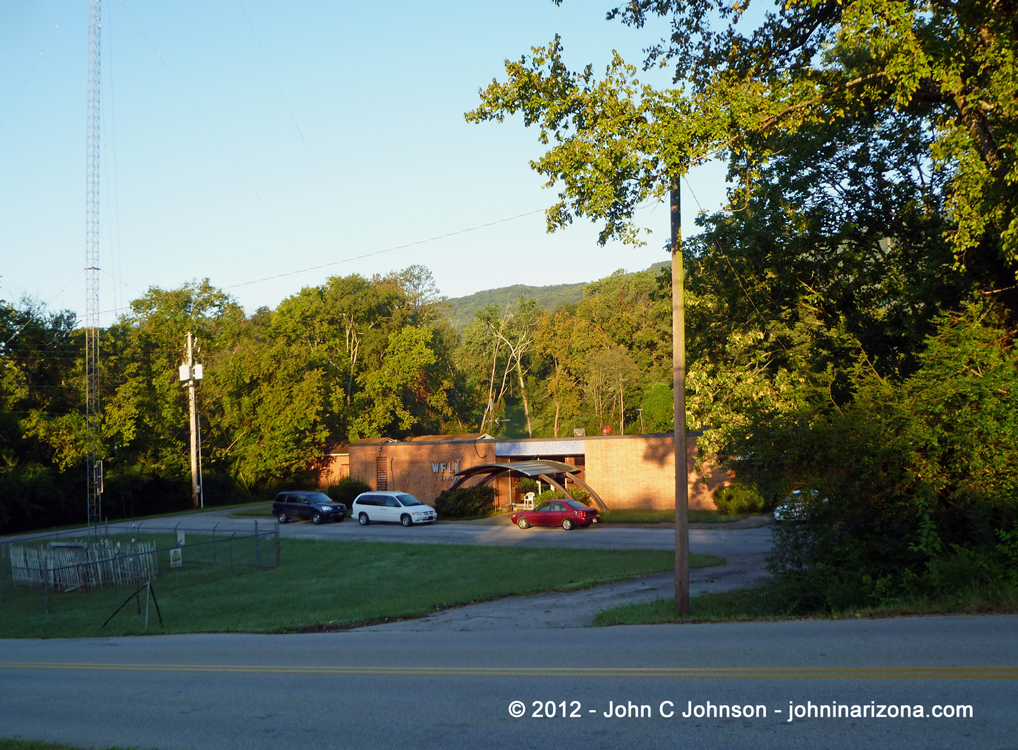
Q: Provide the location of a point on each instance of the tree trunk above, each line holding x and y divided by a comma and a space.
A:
523, 392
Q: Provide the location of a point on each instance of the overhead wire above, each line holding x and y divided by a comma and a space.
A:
115, 211
24, 83
381, 252
289, 110
211, 130
45, 304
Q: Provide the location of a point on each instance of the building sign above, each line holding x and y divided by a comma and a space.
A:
447, 470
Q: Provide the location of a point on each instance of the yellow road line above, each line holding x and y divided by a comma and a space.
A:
871, 673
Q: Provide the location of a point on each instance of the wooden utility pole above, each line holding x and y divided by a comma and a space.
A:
679, 405
190, 375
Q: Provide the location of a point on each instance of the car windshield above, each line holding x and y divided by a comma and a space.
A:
409, 500
318, 497
576, 505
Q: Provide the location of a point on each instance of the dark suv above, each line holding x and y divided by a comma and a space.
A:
314, 506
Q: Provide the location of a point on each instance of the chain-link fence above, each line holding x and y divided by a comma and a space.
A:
69, 568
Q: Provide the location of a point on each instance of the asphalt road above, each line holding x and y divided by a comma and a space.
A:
449, 683
369, 689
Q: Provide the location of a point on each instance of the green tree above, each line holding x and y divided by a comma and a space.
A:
615, 142
407, 391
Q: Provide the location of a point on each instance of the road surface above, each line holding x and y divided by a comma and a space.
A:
452, 690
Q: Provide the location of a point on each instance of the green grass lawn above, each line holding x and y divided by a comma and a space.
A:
26, 745
772, 603
326, 585
667, 516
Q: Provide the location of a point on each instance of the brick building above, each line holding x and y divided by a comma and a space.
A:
627, 471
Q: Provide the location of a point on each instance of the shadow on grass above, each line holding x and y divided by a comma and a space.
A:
324, 585
771, 603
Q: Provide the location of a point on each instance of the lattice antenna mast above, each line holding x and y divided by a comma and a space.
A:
92, 406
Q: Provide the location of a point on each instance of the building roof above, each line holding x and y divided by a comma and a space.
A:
373, 441
448, 438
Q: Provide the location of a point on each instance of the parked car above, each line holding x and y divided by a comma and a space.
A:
794, 506
391, 507
565, 513
316, 507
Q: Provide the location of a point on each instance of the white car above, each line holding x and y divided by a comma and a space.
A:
793, 507
391, 507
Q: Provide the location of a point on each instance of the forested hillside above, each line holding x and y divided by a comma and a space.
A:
461, 310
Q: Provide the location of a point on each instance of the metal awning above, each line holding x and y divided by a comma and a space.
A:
526, 468
543, 470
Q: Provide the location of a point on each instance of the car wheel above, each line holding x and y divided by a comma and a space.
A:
363, 519
406, 520
523, 523
316, 518
567, 524
282, 517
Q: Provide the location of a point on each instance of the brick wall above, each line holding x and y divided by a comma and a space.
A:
422, 469
638, 471
333, 469
632, 471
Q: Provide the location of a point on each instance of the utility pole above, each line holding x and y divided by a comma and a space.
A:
189, 373
679, 405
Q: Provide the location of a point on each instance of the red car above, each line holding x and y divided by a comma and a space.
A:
565, 513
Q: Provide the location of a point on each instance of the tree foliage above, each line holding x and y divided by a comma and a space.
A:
740, 93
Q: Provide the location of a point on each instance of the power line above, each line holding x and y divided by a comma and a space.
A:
282, 95
35, 65
381, 252
213, 132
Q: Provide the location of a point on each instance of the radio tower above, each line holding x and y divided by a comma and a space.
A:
92, 421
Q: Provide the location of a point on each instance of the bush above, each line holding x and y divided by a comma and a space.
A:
526, 484
918, 474
738, 498
346, 490
579, 495
221, 489
465, 502
548, 495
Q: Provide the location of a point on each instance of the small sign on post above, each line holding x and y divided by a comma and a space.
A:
176, 557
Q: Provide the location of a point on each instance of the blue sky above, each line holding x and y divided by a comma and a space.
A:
205, 174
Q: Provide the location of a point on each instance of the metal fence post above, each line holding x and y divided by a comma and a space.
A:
258, 548
278, 553
214, 543
231, 553
45, 589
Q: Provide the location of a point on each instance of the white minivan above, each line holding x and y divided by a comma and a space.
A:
391, 507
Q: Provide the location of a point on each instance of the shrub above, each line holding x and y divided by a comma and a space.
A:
738, 498
579, 495
918, 474
346, 490
548, 495
464, 502
526, 484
